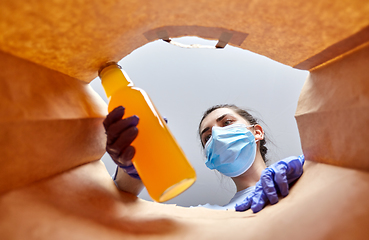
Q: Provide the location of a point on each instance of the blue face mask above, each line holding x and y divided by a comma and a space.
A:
231, 150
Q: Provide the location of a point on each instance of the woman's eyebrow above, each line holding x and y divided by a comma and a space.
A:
203, 131
221, 117
218, 120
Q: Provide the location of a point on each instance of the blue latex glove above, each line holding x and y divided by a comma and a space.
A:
275, 178
120, 134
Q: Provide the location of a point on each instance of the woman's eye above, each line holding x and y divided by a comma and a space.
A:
228, 122
206, 139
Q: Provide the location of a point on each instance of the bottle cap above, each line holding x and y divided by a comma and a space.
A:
107, 65
113, 78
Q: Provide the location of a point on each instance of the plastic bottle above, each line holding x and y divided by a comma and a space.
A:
160, 162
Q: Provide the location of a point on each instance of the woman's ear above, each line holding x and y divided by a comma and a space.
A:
258, 132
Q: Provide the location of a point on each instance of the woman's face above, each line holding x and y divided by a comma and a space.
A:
220, 117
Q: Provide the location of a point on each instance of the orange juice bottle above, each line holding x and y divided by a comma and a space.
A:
160, 162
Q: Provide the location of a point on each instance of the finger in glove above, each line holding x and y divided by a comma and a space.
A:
259, 200
125, 159
281, 178
121, 144
245, 204
267, 184
113, 116
119, 128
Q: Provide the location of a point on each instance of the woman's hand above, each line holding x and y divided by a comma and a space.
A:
120, 134
275, 178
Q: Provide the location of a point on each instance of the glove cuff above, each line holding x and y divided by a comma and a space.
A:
131, 171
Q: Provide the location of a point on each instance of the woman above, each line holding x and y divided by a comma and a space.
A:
234, 143
235, 146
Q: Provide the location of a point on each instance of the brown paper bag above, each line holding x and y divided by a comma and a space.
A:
49, 123
333, 112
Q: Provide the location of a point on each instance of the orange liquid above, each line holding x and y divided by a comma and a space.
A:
159, 160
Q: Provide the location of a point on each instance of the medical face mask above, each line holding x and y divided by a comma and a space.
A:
231, 150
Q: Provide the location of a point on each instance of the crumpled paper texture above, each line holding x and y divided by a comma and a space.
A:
77, 37
84, 203
49, 123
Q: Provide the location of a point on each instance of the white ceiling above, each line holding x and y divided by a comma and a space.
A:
183, 83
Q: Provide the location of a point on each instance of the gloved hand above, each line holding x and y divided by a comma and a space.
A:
274, 178
120, 134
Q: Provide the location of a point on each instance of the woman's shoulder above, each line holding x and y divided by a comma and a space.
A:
239, 197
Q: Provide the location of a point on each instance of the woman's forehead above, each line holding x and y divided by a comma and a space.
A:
209, 119
221, 111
